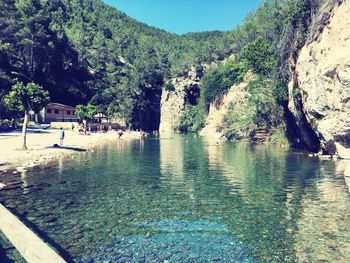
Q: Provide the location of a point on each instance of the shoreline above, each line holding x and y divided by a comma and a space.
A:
41, 151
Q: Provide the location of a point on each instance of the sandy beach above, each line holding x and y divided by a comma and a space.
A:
40, 150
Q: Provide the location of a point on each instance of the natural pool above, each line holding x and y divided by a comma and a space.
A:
185, 199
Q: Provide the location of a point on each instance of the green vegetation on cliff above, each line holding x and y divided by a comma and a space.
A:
262, 46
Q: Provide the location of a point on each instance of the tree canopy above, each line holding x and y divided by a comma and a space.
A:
23, 98
85, 112
27, 97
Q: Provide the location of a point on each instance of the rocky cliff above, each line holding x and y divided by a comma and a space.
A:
237, 95
319, 92
319, 84
186, 91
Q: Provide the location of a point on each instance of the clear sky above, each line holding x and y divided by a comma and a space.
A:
183, 16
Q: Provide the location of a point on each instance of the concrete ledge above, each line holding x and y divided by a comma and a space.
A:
29, 245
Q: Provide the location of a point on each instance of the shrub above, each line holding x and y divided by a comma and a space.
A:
268, 112
280, 92
258, 56
220, 79
190, 120
169, 86
279, 138
262, 110
238, 122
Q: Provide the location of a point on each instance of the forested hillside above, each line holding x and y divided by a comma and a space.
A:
84, 51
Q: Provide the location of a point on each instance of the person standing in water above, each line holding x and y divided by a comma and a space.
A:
61, 136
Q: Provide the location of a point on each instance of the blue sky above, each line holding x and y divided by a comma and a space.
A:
182, 16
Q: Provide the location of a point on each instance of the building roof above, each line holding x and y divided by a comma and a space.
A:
60, 106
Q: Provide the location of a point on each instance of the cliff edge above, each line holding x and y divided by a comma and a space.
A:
322, 78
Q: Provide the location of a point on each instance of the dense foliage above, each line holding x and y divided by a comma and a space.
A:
258, 56
261, 111
190, 120
85, 112
221, 78
27, 97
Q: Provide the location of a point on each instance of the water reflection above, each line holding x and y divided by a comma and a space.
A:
323, 224
172, 158
168, 198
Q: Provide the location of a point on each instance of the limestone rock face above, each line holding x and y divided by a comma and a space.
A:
237, 95
322, 79
173, 102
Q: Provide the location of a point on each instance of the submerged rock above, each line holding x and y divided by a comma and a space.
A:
176, 241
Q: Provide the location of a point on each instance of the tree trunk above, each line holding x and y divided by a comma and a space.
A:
32, 56
36, 118
85, 126
24, 129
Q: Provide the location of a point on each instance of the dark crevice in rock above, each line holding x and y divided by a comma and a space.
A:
148, 117
300, 132
192, 94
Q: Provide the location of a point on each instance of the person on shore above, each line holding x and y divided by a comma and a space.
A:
72, 127
13, 124
61, 136
120, 133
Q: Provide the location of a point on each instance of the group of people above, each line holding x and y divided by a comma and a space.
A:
120, 133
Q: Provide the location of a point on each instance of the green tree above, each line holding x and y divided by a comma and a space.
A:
258, 56
85, 114
268, 112
24, 98
238, 122
84, 51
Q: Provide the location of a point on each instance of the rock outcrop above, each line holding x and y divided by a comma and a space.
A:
236, 95
186, 91
343, 152
322, 79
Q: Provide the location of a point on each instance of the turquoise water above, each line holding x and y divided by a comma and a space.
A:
184, 199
